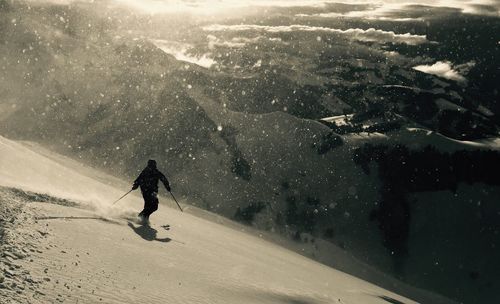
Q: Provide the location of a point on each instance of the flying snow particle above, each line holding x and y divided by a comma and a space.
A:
352, 190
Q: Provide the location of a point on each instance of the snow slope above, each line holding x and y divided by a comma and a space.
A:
24, 168
71, 246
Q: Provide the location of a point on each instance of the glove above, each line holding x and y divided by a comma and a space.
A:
135, 186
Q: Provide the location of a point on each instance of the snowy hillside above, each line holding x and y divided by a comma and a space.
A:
78, 248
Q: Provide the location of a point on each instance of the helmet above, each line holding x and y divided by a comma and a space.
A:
152, 163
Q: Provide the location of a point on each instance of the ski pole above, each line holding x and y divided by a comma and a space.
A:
176, 201
122, 196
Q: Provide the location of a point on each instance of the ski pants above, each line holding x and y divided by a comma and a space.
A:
150, 203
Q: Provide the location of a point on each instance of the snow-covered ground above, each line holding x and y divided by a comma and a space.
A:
70, 245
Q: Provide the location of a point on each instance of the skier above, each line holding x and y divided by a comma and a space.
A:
148, 180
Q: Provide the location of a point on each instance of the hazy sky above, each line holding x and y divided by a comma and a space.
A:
208, 6
483, 7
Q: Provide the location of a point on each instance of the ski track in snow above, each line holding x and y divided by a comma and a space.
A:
62, 250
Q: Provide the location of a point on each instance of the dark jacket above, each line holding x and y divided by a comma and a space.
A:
148, 180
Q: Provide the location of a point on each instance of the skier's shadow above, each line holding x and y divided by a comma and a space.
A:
148, 233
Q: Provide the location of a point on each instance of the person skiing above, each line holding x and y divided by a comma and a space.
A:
148, 181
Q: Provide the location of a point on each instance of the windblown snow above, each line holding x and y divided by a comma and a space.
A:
61, 240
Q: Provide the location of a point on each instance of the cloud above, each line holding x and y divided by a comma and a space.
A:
369, 35
235, 42
382, 13
483, 7
214, 42
240, 42
445, 69
387, 10
181, 52
391, 54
